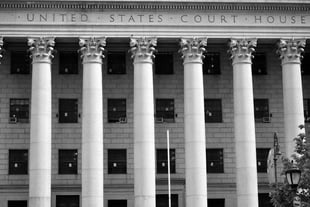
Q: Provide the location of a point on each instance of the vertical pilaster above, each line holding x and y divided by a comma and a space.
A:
40, 124
144, 144
92, 122
244, 124
194, 122
290, 54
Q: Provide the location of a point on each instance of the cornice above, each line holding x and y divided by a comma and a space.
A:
161, 6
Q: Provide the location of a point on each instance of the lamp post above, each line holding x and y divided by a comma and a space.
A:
293, 177
276, 153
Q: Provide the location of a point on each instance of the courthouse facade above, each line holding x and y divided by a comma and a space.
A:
90, 90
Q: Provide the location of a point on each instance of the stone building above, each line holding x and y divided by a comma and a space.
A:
89, 89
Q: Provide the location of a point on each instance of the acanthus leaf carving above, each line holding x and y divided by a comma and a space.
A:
41, 48
193, 49
241, 50
143, 48
291, 50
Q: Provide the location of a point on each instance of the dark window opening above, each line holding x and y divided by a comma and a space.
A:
68, 63
211, 63
305, 64
259, 64
165, 110
67, 200
18, 162
20, 62
116, 62
264, 200
117, 111
162, 200
213, 110
164, 63
261, 110
117, 161
21, 203
117, 203
216, 202
68, 111
19, 110
262, 155
307, 110
68, 161
215, 161
162, 161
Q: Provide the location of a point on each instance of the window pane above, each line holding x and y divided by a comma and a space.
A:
307, 110
117, 203
216, 202
162, 200
164, 63
116, 63
165, 110
19, 110
67, 201
264, 200
215, 161
162, 162
20, 62
262, 155
68, 63
261, 110
259, 64
305, 64
211, 63
117, 110
68, 110
18, 162
17, 203
213, 110
68, 161
117, 161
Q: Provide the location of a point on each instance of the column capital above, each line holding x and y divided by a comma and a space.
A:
142, 49
241, 50
192, 49
41, 49
1, 48
290, 50
92, 49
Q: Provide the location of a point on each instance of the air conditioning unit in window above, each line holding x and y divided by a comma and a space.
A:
159, 119
13, 120
266, 119
122, 120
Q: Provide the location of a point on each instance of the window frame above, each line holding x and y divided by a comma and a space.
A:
164, 61
20, 203
62, 160
259, 64
262, 116
262, 168
117, 203
167, 112
305, 64
64, 58
122, 161
306, 109
18, 61
164, 197
117, 110
120, 63
218, 118
162, 157
16, 117
216, 202
208, 67
23, 153
68, 106
219, 154
76, 198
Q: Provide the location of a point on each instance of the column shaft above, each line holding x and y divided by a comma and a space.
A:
194, 123
244, 124
144, 141
92, 124
40, 125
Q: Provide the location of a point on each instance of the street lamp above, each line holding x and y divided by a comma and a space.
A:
293, 177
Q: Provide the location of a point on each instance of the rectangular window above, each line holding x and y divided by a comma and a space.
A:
68, 63
215, 160
67, 161
21, 203
18, 162
162, 200
211, 63
213, 110
216, 202
264, 200
20, 62
164, 63
117, 203
259, 64
261, 110
67, 201
117, 111
261, 156
307, 110
162, 161
116, 62
117, 161
19, 110
68, 111
305, 64
165, 110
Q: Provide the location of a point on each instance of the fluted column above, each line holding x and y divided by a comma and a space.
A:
92, 122
194, 122
290, 53
40, 124
244, 129
144, 144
